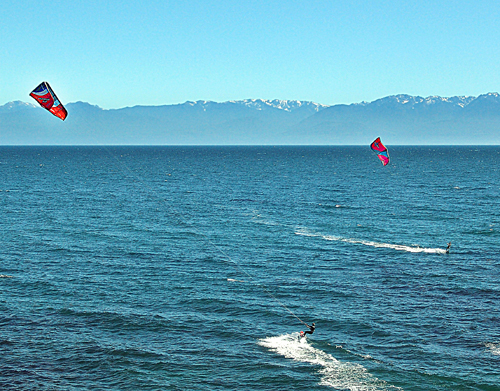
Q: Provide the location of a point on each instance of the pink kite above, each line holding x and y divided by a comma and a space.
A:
381, 151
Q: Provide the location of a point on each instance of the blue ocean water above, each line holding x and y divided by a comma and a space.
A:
192, 268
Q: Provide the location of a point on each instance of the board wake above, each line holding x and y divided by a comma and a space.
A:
398, 247
333, 373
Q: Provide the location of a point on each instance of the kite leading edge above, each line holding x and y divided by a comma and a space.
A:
44, 95
381, 151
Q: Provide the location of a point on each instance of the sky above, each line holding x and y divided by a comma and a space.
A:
137, 52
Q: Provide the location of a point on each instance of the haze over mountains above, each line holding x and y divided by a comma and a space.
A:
398, 119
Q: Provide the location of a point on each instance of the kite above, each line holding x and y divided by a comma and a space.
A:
381, 151
44, 95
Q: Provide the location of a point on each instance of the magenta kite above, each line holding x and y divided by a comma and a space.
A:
381, 151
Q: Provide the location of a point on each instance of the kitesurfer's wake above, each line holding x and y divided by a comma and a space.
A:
398, 247
333, 373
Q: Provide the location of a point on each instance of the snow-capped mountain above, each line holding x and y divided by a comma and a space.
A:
17, 105
409, 101
262, 104
287, 105
407, 119
400, 119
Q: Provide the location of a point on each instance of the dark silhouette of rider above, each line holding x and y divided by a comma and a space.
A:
448, 248
311, 329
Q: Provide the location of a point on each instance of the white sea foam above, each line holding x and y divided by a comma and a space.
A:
260, 219
234, 280
334, 373
399, 247
494, 348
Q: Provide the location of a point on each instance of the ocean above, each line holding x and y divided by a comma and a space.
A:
195, 268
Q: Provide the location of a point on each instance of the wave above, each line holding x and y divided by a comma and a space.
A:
494, 348
336, 206
399, 247
234, 280
334, 373
260, 219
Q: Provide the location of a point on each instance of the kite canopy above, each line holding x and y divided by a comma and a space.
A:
381, 151
44, 95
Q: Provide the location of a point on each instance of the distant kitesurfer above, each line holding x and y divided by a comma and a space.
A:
448, 248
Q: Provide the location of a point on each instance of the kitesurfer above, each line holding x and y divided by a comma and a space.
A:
311, 329
448, 248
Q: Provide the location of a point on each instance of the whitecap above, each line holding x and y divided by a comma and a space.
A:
234, 280
494, 348
334, 373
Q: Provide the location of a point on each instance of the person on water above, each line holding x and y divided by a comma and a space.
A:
448, 248
311, 329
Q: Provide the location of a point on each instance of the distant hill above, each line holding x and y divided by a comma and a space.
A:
405, 119
399, 120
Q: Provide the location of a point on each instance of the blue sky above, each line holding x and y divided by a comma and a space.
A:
138, 52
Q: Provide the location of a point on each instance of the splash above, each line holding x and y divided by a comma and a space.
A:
399, 247
494, 348
334, 373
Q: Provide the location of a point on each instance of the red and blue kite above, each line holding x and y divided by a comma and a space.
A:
44, 95
381, 151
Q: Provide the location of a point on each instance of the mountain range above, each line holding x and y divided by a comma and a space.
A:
398, 119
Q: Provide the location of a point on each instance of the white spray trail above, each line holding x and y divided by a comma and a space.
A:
399, 247
334, 373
